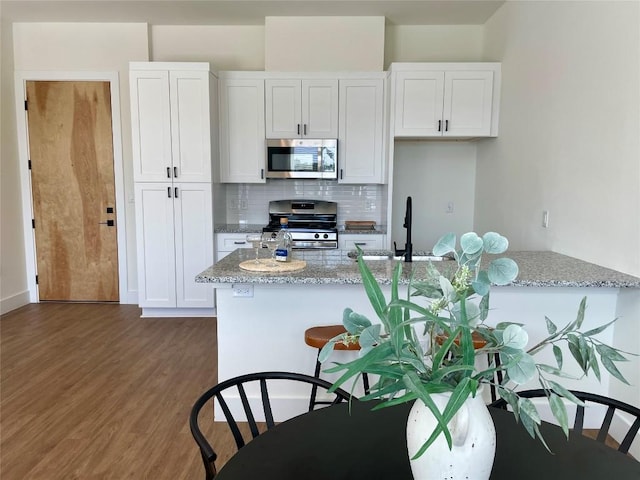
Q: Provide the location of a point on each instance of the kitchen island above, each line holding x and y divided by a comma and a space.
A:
262, 316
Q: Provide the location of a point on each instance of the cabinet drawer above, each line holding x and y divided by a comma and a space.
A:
228, 242
366, 242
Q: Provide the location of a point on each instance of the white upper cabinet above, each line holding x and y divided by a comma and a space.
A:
171, 123
297, 108
242, 140
361, 136
446, 100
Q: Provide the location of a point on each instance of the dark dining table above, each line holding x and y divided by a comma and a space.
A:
355, 442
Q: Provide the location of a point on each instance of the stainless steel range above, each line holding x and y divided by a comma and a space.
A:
312, 223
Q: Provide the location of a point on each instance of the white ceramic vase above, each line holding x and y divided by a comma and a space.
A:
473, 435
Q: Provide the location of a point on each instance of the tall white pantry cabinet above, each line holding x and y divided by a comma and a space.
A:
174, 123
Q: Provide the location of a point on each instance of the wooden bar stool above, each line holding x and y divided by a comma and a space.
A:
317, 337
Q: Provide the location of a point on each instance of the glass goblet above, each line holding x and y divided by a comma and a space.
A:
255, 239
272, 244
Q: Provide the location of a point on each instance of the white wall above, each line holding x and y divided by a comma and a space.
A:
90, 47
314, 44
433, 43
13, 281
433, 174
569, 123
569, 143
225, 47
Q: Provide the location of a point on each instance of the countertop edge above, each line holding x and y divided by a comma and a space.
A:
537, 269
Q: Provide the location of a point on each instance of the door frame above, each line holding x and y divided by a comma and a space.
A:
21, 77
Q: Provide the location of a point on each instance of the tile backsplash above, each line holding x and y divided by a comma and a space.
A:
249, 202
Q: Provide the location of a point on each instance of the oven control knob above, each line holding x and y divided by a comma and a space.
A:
325, 236
317, 235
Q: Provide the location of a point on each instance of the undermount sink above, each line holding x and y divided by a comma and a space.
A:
381, 255
375, 257
426, 258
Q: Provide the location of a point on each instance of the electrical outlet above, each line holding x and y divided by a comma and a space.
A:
242, 290
545, 219
449, 207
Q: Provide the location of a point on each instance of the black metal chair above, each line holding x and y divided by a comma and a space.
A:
263, 378
578, 423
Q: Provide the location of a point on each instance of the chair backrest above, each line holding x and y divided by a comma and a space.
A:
236, 386
578, 424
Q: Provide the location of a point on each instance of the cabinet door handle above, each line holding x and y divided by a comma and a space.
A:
168, 172
439, 125
298, 129
262, 174
169, 192
304, 131
340, 174
360, 244
446, 125
239, 243
175, 172
175, 192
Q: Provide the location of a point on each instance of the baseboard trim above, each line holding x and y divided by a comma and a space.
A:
15, 301
177, 312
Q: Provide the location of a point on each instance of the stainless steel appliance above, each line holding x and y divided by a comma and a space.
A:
302, 158
312, 223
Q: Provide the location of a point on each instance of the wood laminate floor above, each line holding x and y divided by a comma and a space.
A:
93, 391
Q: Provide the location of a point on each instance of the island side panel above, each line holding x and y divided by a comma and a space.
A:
266, 332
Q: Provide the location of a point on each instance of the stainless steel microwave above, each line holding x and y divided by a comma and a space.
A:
302, 158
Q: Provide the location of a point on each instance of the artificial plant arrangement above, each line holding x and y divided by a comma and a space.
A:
424, 345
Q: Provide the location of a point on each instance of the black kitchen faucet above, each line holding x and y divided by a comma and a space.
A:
408, 246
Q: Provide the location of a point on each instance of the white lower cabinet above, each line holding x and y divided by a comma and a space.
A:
365, 241
174, 243
228, 242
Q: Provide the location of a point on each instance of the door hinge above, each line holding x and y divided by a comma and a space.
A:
36, 279
26, 105
33, 223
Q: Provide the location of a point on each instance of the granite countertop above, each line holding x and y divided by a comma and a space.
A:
377, 230
537, 269
238, 228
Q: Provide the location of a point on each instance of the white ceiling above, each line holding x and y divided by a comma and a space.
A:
246, 12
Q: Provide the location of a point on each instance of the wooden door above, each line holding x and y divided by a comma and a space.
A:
72, 182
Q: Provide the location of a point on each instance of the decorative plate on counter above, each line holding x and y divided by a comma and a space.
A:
267, 266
